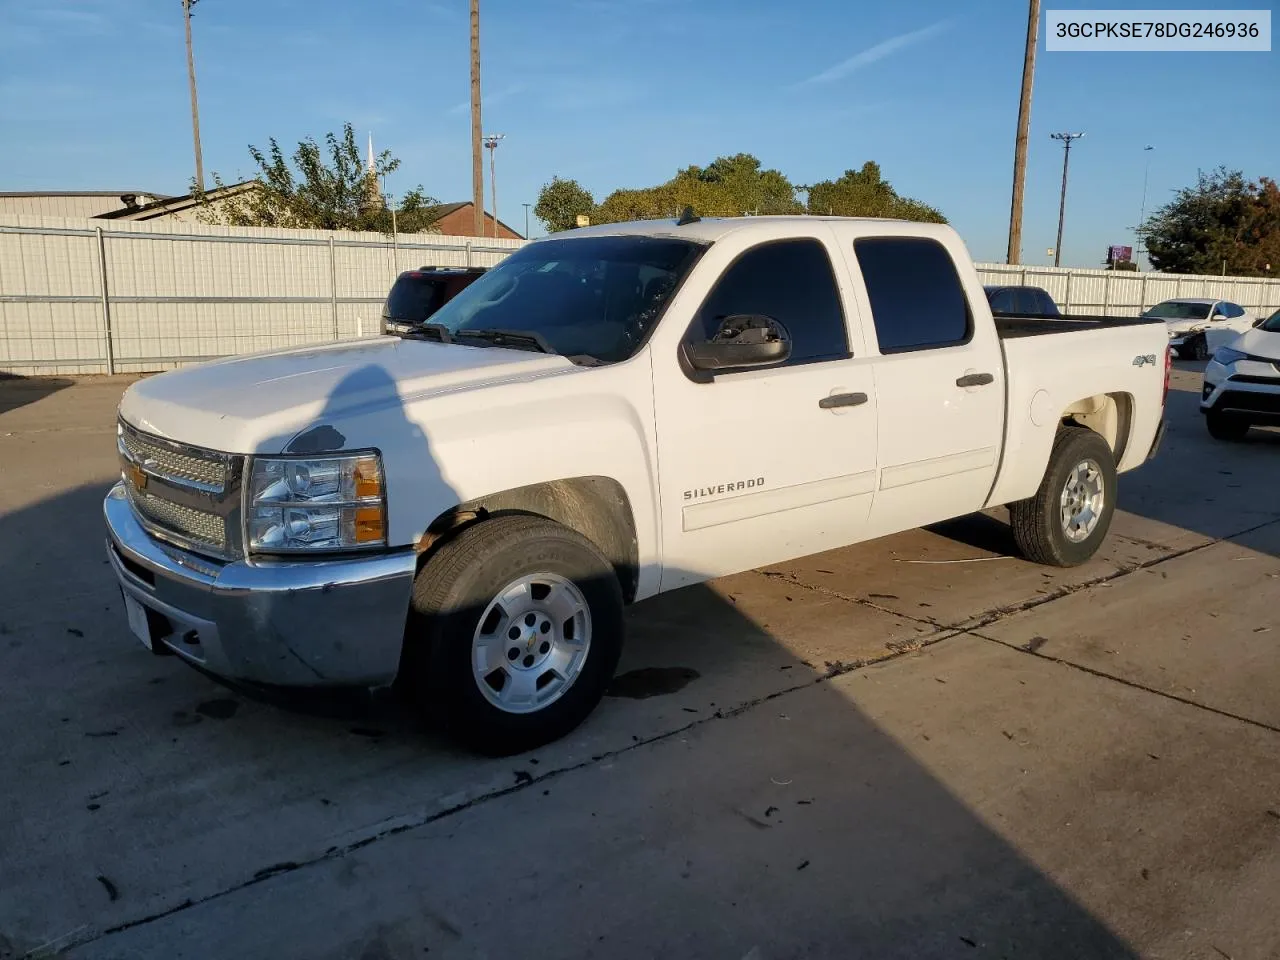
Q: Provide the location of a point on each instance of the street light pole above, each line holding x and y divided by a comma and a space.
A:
1066, 139
1142, 216
191, 79
526, 219
491, 142
1024, 128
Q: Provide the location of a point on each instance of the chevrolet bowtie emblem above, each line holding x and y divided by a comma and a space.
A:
136, 476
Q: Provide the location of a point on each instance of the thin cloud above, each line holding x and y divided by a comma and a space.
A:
504, 94
875, 54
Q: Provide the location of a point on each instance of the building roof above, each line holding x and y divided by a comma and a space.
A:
84, 193
148, 211
444, 209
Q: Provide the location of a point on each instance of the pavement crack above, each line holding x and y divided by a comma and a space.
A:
1125, 682
847, 598
1001, 613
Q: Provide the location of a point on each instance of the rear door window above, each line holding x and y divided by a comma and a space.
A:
917, 302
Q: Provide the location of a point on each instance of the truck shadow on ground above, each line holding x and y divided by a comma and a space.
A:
110, 744
18, 391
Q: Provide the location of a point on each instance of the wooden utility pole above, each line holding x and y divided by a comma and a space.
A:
191, 77
477, 156
1024, 129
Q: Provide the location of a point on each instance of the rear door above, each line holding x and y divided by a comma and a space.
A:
939, 380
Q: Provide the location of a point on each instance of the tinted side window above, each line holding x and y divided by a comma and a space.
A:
916, 298
1047, 307
790, 281
1232, 310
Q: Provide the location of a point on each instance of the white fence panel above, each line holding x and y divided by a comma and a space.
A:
188, 291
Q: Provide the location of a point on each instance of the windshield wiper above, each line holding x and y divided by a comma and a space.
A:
518, 339
431, 331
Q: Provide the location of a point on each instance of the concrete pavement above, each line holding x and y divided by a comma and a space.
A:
1038, 763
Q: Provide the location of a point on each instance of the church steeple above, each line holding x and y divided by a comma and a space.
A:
372, 200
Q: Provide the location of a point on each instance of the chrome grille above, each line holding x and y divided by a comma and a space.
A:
186, 495
182, 465
198, 525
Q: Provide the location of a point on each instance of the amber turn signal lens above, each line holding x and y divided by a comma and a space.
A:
370, 526
368, 478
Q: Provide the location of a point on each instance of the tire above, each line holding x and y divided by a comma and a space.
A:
455, 595
1226, 427
1038, 523
1200, 349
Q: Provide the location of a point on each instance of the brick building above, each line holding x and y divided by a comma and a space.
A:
458, 220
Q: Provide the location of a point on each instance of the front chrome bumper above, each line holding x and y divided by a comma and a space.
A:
309, 623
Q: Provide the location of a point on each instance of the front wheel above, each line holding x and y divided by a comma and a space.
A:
1225, 427
515, 632
1064, 524
1199, 349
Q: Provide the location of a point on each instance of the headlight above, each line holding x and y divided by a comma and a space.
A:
320, 503
1225, 355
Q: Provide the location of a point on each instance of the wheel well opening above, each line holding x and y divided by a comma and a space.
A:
595, 507
1110, 415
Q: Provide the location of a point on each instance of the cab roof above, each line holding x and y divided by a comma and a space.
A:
711, 229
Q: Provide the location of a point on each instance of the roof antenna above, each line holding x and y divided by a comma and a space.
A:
687, 217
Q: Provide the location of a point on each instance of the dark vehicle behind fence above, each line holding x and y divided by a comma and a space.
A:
1021, 302
417, 294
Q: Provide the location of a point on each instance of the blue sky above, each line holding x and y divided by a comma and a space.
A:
93, 95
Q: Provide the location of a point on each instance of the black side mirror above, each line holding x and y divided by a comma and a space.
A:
744, 340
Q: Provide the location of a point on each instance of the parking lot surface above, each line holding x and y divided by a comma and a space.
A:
917, 747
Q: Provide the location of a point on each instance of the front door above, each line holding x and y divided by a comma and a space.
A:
764, 465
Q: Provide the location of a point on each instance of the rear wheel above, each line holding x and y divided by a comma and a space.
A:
515, 632
1064, 524
1225, 426
1199, 349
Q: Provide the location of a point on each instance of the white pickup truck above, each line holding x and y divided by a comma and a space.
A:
608, 414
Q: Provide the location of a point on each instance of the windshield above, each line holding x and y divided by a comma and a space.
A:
1177, 310
1271, 324
414, 297
595, 297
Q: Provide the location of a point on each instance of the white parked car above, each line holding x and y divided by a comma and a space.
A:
1200, 325
605, 415
1242, 382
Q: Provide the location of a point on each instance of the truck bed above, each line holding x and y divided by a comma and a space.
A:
1011, 327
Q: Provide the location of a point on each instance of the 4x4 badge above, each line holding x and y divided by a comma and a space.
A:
1143, 359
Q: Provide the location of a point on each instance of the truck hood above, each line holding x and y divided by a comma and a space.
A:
258, 403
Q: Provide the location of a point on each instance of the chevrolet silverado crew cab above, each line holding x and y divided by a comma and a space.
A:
607, 414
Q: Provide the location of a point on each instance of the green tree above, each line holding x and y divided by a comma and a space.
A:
333, 192
727, 187
865, 193
1222, 218
560, 202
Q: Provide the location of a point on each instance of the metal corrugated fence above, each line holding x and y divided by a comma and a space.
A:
80, 297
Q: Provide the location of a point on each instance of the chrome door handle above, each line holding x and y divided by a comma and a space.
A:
842, 400
975, 380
